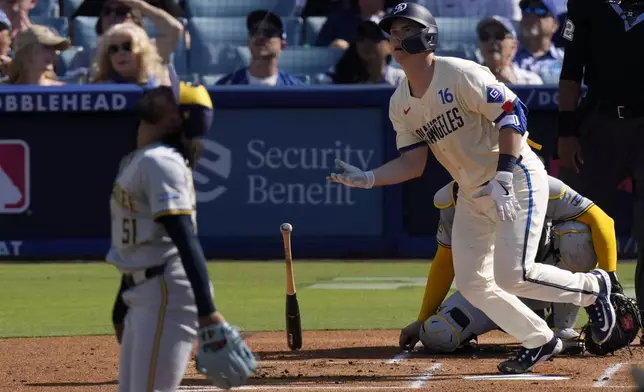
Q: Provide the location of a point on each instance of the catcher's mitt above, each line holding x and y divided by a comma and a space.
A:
627, 325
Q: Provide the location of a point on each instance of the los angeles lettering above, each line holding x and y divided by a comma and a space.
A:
441, 126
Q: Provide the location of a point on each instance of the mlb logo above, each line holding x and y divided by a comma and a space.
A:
14, 176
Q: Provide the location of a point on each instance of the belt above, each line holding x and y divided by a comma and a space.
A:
620, 111
140, 276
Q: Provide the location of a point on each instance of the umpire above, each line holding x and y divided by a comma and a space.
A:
602, 139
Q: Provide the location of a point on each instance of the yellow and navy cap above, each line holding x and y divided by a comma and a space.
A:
196, 109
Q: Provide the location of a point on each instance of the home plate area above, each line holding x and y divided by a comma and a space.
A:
369, 361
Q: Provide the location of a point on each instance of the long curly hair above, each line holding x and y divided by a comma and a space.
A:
150, 64
19, 67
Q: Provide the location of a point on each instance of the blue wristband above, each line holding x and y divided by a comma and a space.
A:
506, 163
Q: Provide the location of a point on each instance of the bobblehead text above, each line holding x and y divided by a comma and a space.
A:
63, 102
310, 165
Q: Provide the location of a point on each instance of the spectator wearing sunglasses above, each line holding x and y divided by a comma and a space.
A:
266, 39
537, 28
498, 45
125, 54
114, 12
367, 60
18, 13
36, 50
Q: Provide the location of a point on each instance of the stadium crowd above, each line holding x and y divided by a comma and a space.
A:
269, 42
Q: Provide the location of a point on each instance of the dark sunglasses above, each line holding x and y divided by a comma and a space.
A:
116, 11
265, 32
538, 11
115, 48
496, 35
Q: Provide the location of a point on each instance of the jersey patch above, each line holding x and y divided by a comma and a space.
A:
576, 200
169, 196
494, 95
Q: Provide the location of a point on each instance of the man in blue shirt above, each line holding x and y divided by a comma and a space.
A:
266, 39
537, 27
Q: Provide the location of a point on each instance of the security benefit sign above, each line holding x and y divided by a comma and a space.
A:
260, 168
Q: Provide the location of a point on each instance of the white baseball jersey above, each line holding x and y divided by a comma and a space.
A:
152, 181
564, 204
456, 117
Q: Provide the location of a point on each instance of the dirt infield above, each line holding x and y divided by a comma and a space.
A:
340, 361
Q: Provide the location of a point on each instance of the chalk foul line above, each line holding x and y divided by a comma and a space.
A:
420, 381
604, 379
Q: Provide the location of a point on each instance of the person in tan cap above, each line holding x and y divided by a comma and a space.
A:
36, 50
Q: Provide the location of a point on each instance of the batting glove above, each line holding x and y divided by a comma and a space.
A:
501, 190
352, 176
223, 356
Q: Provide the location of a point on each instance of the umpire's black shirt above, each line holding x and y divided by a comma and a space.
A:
607, 38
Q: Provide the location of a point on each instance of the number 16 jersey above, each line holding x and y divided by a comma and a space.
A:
152, 182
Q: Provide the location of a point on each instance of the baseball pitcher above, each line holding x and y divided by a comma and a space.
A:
165, 300
476, 127
577, 236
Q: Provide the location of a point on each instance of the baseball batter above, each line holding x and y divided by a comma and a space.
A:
165, 300
577, 236
476, 127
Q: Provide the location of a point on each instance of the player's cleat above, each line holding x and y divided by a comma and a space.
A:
571, 342
601, 314
526, 358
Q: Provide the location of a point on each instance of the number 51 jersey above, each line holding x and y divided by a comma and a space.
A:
152, 182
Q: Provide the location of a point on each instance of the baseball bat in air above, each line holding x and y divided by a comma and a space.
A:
293, 322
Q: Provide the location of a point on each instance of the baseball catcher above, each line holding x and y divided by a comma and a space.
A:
577, 236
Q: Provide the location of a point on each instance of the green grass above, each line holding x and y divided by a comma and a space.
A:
76, 299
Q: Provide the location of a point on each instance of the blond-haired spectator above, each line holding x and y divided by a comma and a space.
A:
498, 45
36, 50
114, 12
125, 54
18, 13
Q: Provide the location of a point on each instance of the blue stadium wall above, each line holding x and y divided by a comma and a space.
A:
265, 162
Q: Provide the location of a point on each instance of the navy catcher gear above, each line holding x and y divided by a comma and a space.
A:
423, 41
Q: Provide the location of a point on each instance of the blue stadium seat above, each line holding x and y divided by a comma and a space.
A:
210, 80
212, 58
204, 8
65, 59
312, 27
69, 7
83, 32
302, 61
233, 30
60, 24
457, 37
45, 8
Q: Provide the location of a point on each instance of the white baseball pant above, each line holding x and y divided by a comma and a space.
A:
160, 328
494, 260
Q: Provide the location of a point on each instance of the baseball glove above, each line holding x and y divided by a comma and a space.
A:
627, 325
